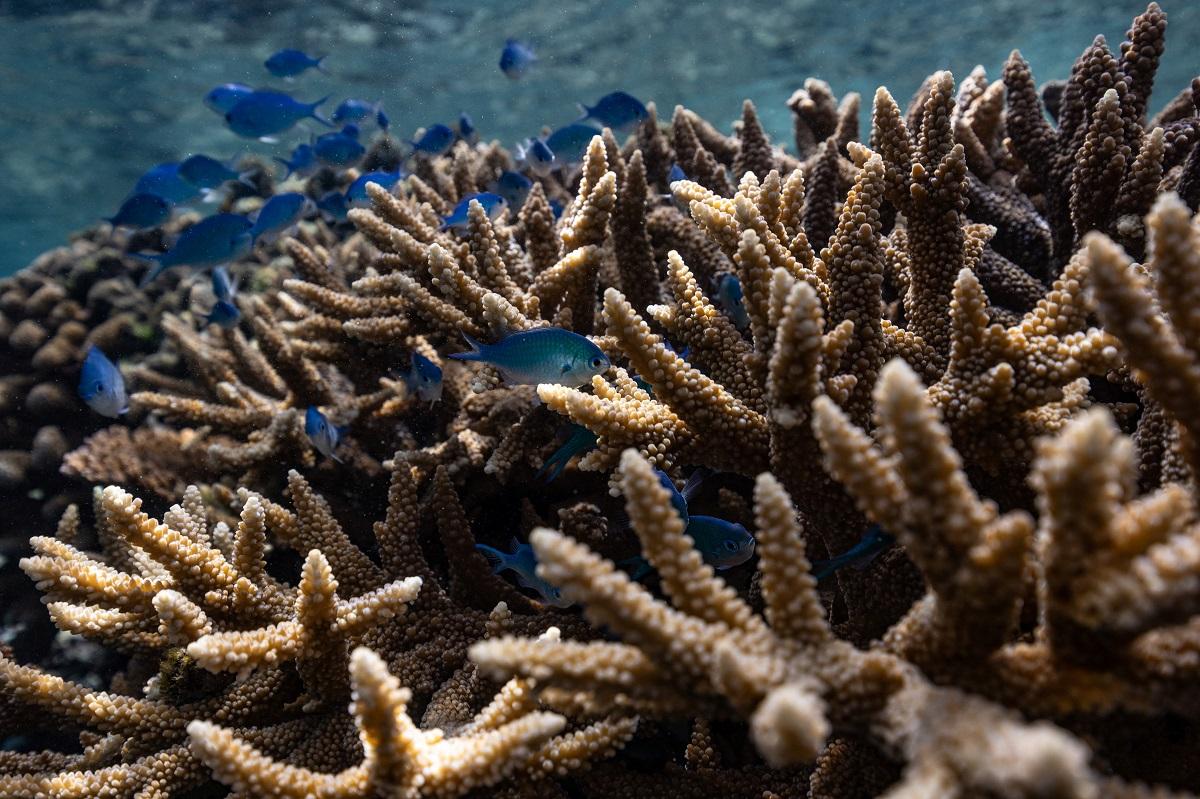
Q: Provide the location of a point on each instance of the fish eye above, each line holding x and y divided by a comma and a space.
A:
597, 363
730, 545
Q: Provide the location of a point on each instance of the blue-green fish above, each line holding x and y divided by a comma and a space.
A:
333, 204
513, 187
288, 63
324, 435
435, 140
618, 110
523, 563
303, 161
263, 114
279, 213
570, 142
536, 156
353, 110
424, 379
165, 181
341, 148
540, 355
141, 211
873, 542
223, 286
223, 98
723, 544
578, 442
516, 58
492, 203
356, 195
101, 385
205, 172
216, 239
729, 295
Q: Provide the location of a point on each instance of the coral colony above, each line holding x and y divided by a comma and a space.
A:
958, 381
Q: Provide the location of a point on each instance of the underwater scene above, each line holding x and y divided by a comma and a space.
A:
756, 400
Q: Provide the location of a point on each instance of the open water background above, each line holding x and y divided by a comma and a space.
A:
94, 92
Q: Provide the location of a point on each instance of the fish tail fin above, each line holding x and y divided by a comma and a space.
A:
554, 466
246, 179
495, 558
156, 267
583, 109
476, 353
286, 165
312, 111
320, 65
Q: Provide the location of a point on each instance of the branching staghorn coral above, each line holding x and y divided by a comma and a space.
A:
945, 339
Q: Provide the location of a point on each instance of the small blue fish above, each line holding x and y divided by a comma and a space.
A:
352, 110
278, 214
288, 63
536, 156
424, 379
141, 211
723, 544
513, 187
381, 119
223, 98
165, 181
101, 385
303, 161
873, 542
340, 149
466, 128
570, 142
205, 172
619, 111
356, 195
676, 174
557, 209
494, 204
435, 140
540, 355
578, 442
216, 239
729, 295
523, 563
223, 287
516, 58
333, 204
263, 114
324, 435
223, 313
680, 499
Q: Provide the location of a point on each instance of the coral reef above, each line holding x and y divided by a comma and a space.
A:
974, 327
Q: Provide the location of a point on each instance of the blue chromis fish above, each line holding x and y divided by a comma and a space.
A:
223, 98
873, 542
262, 114
570, 142
723, 544
619, 111
424, 379
579, 441
205, 172
352, 110
223, 287
302, 162
288, 63
540, 355
341, 148
466, 128
523, 563
493, 204
537, 156
165, 181
278, 214
334, 205
513, 187
141, 211
676, 174
101, 385
216, 239
516, 58
356, 195
729, 295
223, 313
323, 434
435, 140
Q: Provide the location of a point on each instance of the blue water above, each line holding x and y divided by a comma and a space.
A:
93, 92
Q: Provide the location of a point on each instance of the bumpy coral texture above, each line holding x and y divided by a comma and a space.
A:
975, 327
